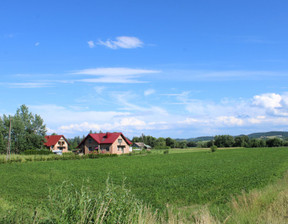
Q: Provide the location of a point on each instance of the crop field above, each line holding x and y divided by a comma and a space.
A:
176, 179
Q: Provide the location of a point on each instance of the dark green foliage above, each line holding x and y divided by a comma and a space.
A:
74, 142
224, 141
27, 131
283, 134
2, 144
213, 148
148, 140
182, 144
274, 142
37, 152
241, 141
171, 142
166, 151
191, 144
202, 144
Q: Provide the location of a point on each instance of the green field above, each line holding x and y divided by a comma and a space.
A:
176, 179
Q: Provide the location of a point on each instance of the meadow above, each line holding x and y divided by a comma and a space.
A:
179, 180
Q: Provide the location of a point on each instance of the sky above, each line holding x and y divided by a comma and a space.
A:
177, 69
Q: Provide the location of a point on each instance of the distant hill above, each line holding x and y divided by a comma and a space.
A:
198, 139
270, 134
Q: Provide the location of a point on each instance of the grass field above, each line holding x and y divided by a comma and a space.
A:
178, 179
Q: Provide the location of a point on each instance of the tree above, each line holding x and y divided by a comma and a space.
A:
191, 144
171, 142
182, 144
27, 132
160, 142
274, 142
254, 143
224, 140
241, 141
2, 144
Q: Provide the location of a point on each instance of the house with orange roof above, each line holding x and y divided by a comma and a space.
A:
114, 143
56, 143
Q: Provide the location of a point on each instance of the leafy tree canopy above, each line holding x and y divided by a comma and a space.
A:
27, 130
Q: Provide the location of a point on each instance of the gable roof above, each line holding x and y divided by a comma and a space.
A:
106, 138
142, 145
53, 139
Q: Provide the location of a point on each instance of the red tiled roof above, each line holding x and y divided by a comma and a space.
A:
107, 138
53, 139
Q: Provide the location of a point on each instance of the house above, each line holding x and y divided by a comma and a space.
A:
56, 143
114, 143
140, 145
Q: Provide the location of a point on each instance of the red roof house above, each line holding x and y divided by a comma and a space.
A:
56, 142
114, 143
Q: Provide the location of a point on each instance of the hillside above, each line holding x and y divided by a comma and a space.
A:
270, 134
279, 134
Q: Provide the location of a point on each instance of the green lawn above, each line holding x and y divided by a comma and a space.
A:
179, 179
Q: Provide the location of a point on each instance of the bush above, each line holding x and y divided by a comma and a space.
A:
213, 148
166, 151
37, 152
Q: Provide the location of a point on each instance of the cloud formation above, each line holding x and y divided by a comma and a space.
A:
132, 116
149, 92
91, 44
122, 42
114, 71
114, 75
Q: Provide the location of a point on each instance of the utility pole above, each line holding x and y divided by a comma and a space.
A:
9, 142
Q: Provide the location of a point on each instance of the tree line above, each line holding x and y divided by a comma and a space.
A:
219, 141
27, 131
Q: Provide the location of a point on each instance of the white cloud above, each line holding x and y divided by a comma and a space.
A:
122, 42
267, 100
149, 92
37, 44
27, 85
99, 89
114, 75
57, 115
274, 104
120, 71
229, 121
91, 44
198, 116
226, 75
123, 80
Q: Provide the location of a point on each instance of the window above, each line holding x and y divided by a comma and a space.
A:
89, 140
121, 148
119, 140
90, 149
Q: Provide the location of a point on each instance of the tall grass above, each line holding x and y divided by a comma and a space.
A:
267, 205
66, 205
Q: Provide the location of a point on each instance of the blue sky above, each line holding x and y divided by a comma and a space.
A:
164, 68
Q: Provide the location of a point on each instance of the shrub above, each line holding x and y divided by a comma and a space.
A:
166, 151
213, 148
37, 152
